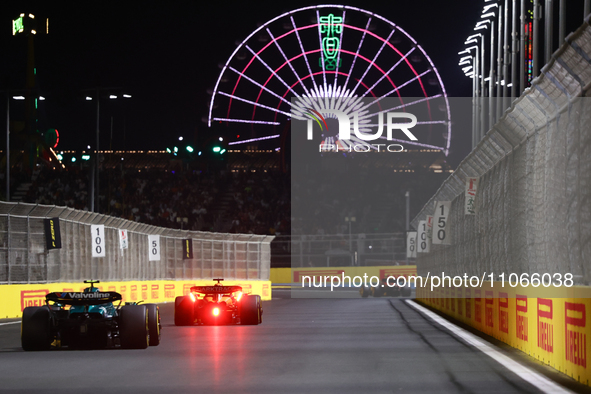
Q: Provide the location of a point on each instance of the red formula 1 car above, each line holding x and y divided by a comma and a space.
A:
217, 305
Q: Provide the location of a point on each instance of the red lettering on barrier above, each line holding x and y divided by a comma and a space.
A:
297, 274
468, 304
406, 272
246, 288
123, 292
265, 290
144, 292
169, 290
477, 306
155, 292
187, 288
488, 309
503, 312
521, 320
133, 289
436, 294
576, 341
545, 328
112, 288
33, 298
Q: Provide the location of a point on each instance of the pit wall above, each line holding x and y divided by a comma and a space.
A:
287, 276
16, 297
556, 331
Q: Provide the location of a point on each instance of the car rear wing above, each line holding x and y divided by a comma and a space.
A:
96, 298
215, 289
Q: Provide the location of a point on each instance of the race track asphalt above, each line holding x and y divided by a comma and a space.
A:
303, 346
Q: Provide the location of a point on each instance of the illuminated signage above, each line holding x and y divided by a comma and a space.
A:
17, 26
330, 26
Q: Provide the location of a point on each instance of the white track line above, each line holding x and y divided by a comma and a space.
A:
529, 375
12, 322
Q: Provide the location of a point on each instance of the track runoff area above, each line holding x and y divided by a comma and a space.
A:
366, 345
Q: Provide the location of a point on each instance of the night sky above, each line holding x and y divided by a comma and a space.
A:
168, 54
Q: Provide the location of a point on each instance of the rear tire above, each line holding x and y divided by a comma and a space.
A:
184, 311
251, 311
154, 324
364, 291
133, 327
406, 291
36, 328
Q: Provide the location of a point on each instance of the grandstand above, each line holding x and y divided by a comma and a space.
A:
246, 192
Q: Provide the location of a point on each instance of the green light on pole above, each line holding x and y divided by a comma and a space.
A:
17, 26
85, 157
59, 157
168, 150
73, 160
176, 149
222, 151
190, 149
216, 149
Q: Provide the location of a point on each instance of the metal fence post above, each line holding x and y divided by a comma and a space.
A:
29, 252
9, 247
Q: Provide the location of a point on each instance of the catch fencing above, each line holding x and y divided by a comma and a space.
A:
339, 250
24, 257
533, 202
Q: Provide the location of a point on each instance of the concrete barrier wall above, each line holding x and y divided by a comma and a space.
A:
554, 330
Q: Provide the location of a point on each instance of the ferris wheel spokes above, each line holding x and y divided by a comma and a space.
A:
266, 89
368, 115
397, 88
389, 71
321, 51
373, 60
336, 75
272, 71
273, 64
286, 60
358, 50
232, 96
295, 29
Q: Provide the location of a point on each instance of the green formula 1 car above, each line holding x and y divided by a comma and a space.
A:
89, 319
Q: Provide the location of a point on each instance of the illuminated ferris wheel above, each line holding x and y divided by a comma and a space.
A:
330, 56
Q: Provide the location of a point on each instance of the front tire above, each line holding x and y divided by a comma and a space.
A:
133, 327
251, 311
36, 328
376, 292
154, 324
